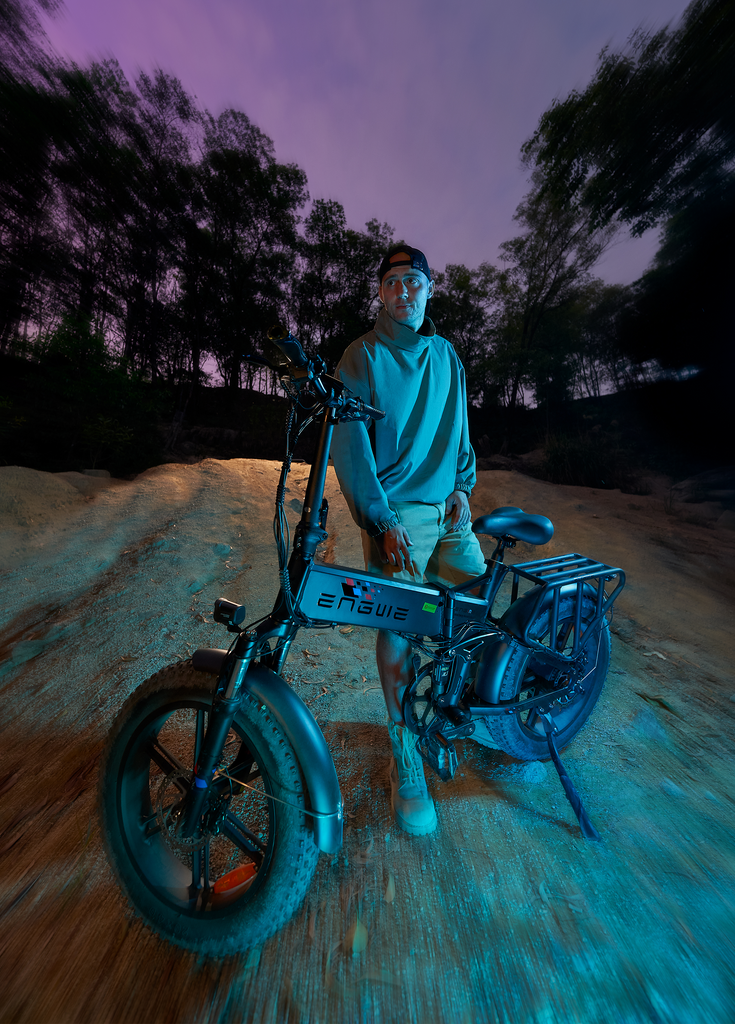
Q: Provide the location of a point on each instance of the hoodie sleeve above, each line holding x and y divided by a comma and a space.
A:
354, 461
466, 475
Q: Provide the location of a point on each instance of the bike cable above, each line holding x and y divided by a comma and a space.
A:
278, 800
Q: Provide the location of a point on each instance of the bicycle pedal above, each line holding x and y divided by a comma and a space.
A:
439, 754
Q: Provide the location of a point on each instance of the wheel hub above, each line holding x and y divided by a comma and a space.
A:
169, 816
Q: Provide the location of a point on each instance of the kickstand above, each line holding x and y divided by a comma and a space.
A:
588, 829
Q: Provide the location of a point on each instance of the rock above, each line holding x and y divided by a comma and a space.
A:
97, 472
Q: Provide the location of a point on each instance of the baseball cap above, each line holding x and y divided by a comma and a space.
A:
416, 259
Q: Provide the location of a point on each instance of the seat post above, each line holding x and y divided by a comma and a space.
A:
490, 587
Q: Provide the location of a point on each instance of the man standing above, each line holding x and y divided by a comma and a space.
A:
406, 480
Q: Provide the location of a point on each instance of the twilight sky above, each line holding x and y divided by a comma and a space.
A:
411, 111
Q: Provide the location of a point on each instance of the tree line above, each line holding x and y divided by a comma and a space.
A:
140, 227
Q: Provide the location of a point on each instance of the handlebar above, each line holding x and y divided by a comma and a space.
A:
368, 410
337, 395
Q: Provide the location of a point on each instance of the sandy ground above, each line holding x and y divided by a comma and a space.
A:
504, 914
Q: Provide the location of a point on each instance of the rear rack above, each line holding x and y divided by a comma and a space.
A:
551, 575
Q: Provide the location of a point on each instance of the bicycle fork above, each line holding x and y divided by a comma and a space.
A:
223, 712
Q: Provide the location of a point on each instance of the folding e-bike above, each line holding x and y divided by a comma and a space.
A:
217, 789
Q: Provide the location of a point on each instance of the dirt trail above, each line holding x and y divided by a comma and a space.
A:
504, 914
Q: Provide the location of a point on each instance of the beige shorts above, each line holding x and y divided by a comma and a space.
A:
439, 553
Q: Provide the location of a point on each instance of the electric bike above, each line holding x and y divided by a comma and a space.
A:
217, 790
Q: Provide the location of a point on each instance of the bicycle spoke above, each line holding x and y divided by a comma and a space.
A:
563, 637
167, 762
198, 735
244, 755
245, 771
205, 866
242, 837
150, 825
532, 720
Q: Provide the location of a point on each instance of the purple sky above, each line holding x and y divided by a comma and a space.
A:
411, 111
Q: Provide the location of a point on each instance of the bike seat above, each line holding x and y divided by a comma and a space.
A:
510, 521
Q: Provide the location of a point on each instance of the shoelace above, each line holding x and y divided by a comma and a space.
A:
410, 762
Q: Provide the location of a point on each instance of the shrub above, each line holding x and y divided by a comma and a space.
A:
592, 459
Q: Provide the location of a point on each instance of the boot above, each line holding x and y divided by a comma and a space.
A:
413, 808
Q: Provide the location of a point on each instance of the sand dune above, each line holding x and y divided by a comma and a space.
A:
505, 913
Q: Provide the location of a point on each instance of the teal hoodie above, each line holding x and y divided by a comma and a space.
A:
421, 450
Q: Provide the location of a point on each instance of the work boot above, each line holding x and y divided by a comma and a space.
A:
412, 806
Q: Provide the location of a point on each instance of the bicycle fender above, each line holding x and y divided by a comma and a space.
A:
495, 660
491, 670
305, 737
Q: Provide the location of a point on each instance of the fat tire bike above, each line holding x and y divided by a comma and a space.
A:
217, 790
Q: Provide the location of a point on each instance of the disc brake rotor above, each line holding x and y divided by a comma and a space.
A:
169, 818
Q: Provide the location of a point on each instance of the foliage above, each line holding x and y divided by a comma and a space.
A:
681, 309
334, 293
144, 241
651, 140
465, 309
591, 459
655, 126
546, 268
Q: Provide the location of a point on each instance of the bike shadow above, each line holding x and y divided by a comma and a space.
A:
488, 784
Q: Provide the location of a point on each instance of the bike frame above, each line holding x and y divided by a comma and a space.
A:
449, 624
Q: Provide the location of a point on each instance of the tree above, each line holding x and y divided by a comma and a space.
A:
653, 129
594, 325
334, 293
651, 140
681, 313
22, 50
466, 309
546, 267
29, 235
246, 205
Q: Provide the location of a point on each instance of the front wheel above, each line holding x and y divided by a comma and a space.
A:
246, 869
522, 735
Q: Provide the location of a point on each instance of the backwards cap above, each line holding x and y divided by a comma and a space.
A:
396, 257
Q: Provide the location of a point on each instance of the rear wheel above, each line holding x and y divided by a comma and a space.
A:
522, 735
251, 859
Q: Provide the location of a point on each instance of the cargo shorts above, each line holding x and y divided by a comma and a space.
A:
439, 553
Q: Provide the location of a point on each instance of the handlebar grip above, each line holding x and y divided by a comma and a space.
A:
369, 410
289, 346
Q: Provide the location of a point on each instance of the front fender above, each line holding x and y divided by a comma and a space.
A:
305, 737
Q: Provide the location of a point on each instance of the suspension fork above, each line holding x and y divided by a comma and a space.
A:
223, 712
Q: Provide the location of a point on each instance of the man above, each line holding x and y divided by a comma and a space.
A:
406, 479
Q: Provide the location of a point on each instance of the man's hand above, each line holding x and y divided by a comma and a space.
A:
393, 546
459, 508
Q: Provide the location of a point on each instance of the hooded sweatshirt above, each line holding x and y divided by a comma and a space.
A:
421, 450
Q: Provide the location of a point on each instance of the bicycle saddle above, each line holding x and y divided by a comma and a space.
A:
510, 521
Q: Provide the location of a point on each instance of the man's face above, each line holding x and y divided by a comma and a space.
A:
404, 293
